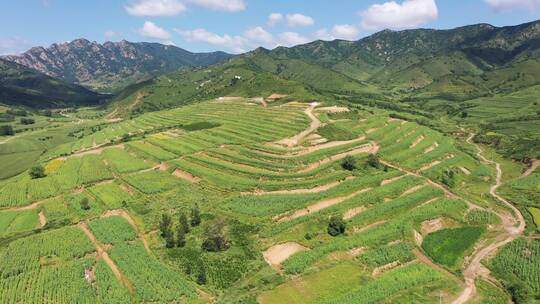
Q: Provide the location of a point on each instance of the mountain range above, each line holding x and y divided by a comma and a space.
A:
423, 64
111, 65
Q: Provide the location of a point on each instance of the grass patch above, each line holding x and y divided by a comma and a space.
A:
334, 132
448, 246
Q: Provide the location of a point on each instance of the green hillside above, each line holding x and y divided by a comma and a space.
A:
21, 86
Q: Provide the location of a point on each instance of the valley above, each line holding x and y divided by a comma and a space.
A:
403, 167
266, 171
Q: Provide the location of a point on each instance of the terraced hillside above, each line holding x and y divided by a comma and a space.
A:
243, 201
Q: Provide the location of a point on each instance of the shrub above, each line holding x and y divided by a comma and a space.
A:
37, 172
373, 161
349, 163
27, 121
336, 226
85, 205
6, 130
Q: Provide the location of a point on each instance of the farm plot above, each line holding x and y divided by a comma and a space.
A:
152, 280
154, 181
123, 162
18, 221
111, 195
50, 267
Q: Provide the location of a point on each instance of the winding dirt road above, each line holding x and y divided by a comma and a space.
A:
315, 124
511, 232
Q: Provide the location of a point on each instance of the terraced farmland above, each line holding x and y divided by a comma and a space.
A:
234, 201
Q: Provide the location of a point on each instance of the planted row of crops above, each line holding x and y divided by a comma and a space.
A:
152, 280
273, 204
18, 221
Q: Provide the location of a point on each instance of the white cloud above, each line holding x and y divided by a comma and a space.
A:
221, 5
338, 31
503, 5
292, 38
409, 14
345, 31
13, 45
274, 18
299, 20
151, 30
236, 43
259, 35
155, 8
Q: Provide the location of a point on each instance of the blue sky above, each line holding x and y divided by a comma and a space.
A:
239, 25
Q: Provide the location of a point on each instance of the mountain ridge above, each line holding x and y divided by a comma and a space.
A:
112, 64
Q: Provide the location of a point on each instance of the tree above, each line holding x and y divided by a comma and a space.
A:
169, 239
464, 114
349, 163
180, 236
183, 222
520, 292
165, 224
6, 130
85, 204
195, 216
448, 178
336, 226
27, 121
37, 172
201, 278
215, 234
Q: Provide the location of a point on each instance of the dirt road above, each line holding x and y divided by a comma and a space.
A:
315, 124
475, 268
102, 253
535, 164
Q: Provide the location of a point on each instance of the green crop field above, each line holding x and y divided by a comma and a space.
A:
235, 202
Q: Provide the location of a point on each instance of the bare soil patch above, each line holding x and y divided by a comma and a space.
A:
275, 97
371, 148
185, 175
417, 141
413, 189
435, 163
535, 164
42, 219
430, 226
333, 109
276, 254
353, 212
300, 191
465, 170
320, 206
379, 270
391, 180
431, 148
